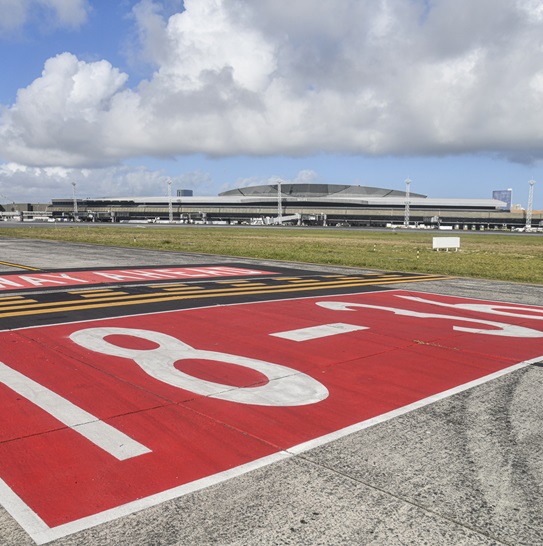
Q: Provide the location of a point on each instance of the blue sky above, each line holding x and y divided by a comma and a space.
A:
119, 96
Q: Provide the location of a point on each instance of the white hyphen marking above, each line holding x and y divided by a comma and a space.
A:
316, 332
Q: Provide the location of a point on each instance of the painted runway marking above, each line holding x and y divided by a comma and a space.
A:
20, 266
168, 293
14, 281
282, 386
316, 332
99, 433
204, 408
101, 293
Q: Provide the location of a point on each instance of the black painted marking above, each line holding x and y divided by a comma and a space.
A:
72, 303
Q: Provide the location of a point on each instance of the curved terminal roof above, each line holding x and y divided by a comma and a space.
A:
323, 196
316, 190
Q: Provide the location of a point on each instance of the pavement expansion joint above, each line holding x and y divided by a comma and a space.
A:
402, 498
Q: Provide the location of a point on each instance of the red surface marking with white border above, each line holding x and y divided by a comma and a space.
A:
355, 357
113, 276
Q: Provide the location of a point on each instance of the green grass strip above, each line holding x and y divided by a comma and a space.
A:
505, 257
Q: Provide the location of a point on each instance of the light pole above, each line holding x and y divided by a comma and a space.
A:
530, 206
75, 201
406, 217
279, 203
170, 206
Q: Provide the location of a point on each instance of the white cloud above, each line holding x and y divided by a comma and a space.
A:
14, 13
298, 77
305, 177
208, 39
58, 118
67, 13
302, 177
532, 8
22, 184
53, 13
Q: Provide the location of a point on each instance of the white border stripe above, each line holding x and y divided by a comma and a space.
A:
21, 512
311, 444
101, 434
43, 534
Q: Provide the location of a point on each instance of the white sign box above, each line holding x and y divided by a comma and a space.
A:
445, 243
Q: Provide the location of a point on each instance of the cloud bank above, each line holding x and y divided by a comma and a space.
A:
22, 184
296, 77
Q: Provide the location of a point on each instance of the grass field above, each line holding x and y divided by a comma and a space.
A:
482, 255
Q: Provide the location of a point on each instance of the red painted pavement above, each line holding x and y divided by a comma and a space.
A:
398, 359
111, 276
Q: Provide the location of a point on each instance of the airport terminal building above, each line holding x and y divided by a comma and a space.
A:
299, 204
303, 204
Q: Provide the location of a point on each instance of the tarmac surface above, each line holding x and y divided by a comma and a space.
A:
460, 468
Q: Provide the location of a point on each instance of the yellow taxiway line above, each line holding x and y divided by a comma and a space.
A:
27, 267
22, 308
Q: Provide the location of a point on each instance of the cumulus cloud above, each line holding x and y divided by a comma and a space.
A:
59, 116
54, 13
371, 77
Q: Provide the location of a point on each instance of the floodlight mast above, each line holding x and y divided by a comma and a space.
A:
75, 201
530, 206
279, 203
170, 206
406, 217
